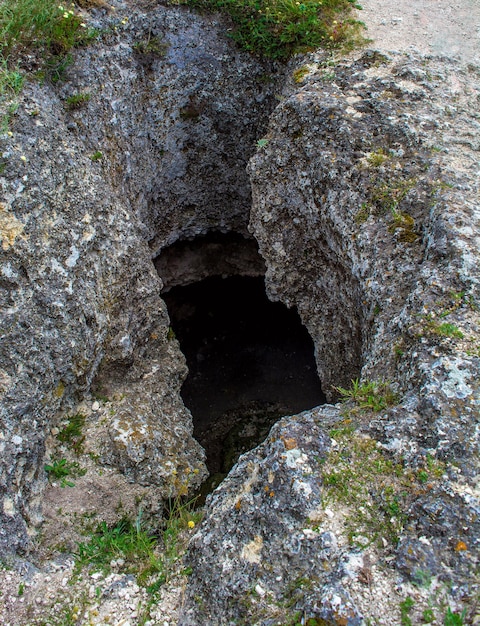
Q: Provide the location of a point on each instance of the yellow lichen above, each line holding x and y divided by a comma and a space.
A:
10, 227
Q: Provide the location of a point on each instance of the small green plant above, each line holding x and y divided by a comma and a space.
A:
441, 329
363, 213
151, 46
428, 616
77, 100
61, 468
96, 156
449, 330
422, 476
422, 577
387, 195
180, 516
261, 143
377, 158
454, 619
11, 82
373, 395
72, 434
277, 29
21, 589
405, 225
405, 608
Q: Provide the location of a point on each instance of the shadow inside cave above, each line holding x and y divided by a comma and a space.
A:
250, 362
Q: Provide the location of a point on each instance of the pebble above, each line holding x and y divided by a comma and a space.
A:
95, 406
260, 590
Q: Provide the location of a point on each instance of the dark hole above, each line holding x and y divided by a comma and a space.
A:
250, 362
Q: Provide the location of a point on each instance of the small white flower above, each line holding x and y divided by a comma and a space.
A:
23, 158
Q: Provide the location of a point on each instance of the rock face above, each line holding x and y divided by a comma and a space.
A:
156, 153
364, 205
365, 211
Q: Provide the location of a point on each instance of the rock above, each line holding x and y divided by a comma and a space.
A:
81, 306
253, 537
359, 232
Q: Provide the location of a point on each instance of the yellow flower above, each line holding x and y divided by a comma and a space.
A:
191, 524
23, 158
124, 21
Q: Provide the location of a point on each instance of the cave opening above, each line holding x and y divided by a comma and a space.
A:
250, 360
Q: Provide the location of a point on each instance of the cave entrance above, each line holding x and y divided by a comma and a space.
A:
250, 362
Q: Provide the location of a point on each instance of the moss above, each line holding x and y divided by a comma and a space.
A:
404, 225
375, 490
299, 75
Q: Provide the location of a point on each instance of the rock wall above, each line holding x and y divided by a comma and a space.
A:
155, 152
365, 206
365, 210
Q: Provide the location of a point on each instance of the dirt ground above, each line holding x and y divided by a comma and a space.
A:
437, 27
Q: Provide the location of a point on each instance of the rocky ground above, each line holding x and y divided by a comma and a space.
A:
46, 589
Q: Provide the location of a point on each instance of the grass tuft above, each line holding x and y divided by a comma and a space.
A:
278, 29
373, 395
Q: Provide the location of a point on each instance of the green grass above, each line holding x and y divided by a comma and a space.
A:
72, 434
454, 619
11, 80
152, 556
38, 35
124, 540
371, 395
278, 29
441, 329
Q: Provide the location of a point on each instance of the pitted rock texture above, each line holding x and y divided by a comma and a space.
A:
365, 208
269, 499
90, 194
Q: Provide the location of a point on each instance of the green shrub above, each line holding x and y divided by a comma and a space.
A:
277, 29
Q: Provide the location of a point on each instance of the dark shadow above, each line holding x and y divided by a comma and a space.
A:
250, 362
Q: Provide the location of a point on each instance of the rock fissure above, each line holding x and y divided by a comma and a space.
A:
357, 209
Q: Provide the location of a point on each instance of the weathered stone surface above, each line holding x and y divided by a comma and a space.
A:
365, 208
273, 557
90, 194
